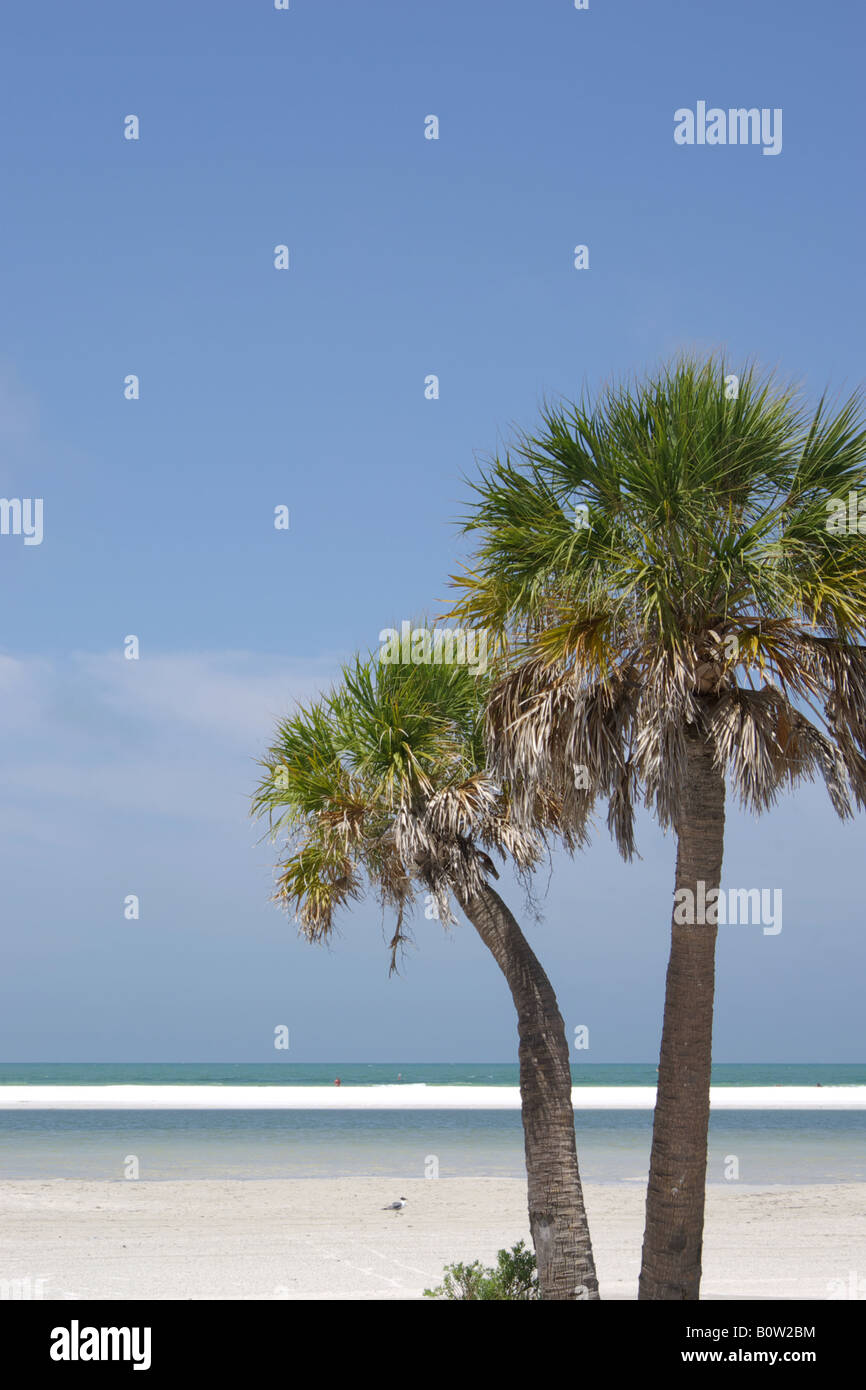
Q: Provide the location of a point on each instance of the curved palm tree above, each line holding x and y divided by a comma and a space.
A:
671, 573
384, 780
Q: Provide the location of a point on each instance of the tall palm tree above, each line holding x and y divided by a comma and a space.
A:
670, 570
384, 780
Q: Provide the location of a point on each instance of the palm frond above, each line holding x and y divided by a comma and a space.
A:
706, 594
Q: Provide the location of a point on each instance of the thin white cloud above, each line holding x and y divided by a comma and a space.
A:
169, 734
24, 687
233, 695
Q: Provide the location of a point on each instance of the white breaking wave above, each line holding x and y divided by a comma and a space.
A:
406, 1097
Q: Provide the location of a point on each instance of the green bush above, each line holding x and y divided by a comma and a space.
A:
513, 1277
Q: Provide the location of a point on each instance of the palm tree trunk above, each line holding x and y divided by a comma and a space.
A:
557, 1218
673, 1237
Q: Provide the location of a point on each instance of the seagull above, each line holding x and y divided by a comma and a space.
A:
396, 1206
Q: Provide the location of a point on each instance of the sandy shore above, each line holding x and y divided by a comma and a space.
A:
328, 1238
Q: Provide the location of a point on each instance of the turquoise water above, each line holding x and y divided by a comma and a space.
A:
387, 1073
771, 1147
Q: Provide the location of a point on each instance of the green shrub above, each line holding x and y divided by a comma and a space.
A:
513, 1277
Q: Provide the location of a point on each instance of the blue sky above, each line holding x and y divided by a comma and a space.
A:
306, 388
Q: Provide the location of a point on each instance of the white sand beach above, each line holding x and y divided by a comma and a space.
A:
328, 1238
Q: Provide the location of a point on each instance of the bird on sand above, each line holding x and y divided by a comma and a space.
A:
396, 1206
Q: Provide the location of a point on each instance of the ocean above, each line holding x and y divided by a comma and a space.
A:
386, 1073
767, 1146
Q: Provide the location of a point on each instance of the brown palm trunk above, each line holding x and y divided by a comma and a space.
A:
557, 1218
673, 1237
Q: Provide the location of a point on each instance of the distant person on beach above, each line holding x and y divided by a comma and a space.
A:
337, 1081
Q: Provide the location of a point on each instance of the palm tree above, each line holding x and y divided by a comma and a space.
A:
679, 636
384, 780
